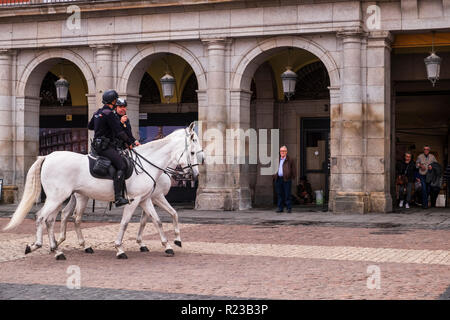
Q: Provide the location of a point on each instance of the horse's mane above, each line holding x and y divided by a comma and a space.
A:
163, 141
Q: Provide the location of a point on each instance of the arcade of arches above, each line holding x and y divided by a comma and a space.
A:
338, 137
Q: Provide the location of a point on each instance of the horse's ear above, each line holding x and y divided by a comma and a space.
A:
191, 127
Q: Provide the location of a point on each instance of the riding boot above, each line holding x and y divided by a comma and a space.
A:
119, 181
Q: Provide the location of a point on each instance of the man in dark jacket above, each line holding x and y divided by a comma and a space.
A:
406, 168
121, 113
283, 180
434, 178
107, 129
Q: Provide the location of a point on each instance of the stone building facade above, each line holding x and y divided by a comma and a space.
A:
227, 44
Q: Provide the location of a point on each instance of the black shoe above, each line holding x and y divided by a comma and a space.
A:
278, 211
121, 202
289, 210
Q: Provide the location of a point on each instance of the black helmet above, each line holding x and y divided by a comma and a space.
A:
121, 102
109, 96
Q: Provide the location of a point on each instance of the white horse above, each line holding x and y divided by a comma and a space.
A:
163, 185
63, 173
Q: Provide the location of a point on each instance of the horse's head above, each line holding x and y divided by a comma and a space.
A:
193, 154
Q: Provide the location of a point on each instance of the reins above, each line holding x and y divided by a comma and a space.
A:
169, 171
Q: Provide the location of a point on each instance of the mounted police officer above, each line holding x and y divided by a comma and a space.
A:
108, 131
121, 114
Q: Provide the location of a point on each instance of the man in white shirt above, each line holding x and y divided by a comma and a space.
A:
283, 180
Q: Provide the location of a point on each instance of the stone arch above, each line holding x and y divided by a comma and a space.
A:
27, 104
30, 81
132, 74
254, 57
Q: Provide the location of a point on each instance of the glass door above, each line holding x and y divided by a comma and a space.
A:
315, 156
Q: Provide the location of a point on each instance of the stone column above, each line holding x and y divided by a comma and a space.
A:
27, 136
241, 136
6, 114
264, 195
214, 192
335, 145
104, 78
378, 122
202, 98
351, 198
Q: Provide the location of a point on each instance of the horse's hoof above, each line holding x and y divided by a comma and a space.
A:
89, 250
144, 249
61, 257
27, 249
122, 256
170, 252
178, 243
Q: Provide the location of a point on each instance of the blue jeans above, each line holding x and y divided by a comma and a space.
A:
425, 190
283, 189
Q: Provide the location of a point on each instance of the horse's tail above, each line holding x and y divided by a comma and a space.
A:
30, 193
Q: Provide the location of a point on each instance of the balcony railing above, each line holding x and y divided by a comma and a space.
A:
24, 3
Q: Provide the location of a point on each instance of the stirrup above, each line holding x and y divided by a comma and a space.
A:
120, 202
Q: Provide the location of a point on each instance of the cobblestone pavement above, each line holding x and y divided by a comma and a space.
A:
11, 291
266, 261
414, 218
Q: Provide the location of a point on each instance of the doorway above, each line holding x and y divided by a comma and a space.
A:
315, 157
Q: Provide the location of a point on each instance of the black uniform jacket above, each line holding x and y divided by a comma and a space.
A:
105, 124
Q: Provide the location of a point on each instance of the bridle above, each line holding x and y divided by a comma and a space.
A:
188, 159
169, 171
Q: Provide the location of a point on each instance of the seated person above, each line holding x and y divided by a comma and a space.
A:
304, 191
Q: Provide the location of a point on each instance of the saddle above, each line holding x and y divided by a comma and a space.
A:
102, 168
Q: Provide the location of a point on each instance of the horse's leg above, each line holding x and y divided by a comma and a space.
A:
149, 209
142, 247
126, 217
162, 202
50, 224
68, 209
50, 206
38, 243
81, 203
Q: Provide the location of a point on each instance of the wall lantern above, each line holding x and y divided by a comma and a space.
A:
62, 89
289, 79
168, 86
433, 65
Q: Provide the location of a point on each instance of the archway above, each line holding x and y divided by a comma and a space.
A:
303, 121
43, 125
420, 114
159, 116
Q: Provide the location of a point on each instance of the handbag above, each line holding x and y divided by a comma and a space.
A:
403, 179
